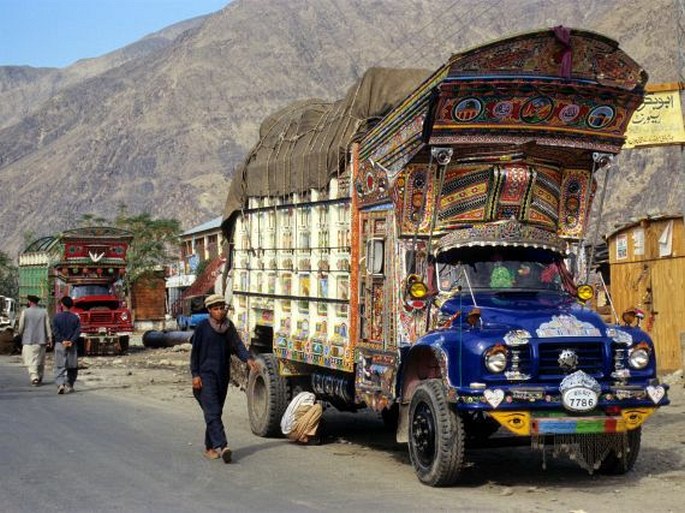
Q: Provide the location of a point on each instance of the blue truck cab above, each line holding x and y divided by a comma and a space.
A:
513, 347
193, 311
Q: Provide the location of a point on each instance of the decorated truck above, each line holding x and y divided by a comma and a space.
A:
406, 249
87, 264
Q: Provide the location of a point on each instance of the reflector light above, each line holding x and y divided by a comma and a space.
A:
585, 292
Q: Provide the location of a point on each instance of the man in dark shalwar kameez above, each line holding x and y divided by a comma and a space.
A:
66, 329
214, 341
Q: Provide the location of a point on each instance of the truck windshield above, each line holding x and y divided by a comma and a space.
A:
78, 291
490, 269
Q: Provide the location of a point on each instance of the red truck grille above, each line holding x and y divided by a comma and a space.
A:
109, 320
101, 317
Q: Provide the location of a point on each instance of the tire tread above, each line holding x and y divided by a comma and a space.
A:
448, 465
277, 398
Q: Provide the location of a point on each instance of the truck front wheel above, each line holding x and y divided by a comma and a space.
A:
267, 397
619, 463
436, 436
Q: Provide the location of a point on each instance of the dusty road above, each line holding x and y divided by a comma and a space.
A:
131, 438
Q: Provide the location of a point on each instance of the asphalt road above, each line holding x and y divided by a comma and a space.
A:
92, 452
100, 450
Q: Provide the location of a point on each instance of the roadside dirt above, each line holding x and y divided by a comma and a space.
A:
656, 483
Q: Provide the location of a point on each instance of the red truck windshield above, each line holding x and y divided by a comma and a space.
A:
79, 291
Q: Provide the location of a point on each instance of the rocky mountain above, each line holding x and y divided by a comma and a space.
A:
23, 89
160, 125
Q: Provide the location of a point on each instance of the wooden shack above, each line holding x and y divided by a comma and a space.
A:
148, 298
647, 263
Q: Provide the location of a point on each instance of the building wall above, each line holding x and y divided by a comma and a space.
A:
148, 298
205, 245
653, 283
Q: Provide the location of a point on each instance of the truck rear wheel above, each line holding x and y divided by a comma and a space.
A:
267, 397
620, 463
436, 436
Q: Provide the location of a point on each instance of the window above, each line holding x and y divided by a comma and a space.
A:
374, 256
521, 269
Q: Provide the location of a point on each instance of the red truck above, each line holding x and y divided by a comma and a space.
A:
87, 264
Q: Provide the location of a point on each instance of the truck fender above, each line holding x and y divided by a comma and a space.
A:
421, 362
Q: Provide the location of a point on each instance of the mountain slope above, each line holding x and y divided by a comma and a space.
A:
24, 88
162, 131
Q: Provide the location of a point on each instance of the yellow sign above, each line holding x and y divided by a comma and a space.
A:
659, 120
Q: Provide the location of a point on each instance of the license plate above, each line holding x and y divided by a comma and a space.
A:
579, 399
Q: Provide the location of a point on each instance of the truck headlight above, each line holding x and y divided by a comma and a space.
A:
639, 357
124, 316
496, 359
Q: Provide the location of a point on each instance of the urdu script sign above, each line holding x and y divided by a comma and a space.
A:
659, 120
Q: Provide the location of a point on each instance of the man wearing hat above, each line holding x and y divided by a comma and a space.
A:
34, 328
214, 341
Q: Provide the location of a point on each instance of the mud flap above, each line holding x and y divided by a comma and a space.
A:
402, 435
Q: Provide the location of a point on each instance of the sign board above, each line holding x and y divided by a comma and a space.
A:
659, 120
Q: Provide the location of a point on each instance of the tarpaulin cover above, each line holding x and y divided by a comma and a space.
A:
303, 145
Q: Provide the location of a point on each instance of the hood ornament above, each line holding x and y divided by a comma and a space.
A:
95, 257
568, 360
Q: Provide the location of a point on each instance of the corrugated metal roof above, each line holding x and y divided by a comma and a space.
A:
214, 224
41, 245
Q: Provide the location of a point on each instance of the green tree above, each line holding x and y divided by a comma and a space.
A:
9, 276
155, 242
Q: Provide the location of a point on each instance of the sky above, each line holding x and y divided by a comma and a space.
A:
57, 33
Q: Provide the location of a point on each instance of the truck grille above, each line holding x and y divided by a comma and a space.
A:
101, 317
590, 358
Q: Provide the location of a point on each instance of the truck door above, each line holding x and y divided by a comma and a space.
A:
376, 282
377, 346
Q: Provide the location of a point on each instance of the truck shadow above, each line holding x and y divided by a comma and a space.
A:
511, 466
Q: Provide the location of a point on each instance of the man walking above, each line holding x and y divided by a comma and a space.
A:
34, 328
214, 340
66, 328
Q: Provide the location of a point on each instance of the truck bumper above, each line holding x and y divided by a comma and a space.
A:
525, 423
105, 344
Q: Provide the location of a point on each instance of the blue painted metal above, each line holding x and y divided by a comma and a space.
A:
462, 348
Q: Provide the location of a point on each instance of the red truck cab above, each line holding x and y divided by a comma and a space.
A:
91, 272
